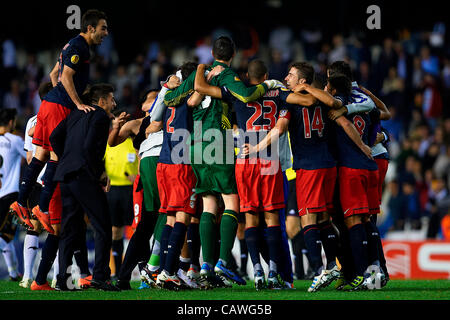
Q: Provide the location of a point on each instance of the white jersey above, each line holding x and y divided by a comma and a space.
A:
11, 153
151, 147
360, 101
29, 146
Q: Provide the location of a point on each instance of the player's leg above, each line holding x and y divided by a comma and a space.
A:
41, 210
286, 260
168, 278
165, 236
358, 244
383, 165
242, 271
228, 229
29, 177
193, 241
31, 241
273, 239
138, 251
184, 264
208, 236
252, 237
154, 261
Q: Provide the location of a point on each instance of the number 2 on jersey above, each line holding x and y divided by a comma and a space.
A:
169, 128
316, 124
270, 115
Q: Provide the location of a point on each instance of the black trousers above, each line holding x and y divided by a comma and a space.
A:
82, 195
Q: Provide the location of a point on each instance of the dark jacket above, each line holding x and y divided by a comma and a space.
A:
79, 141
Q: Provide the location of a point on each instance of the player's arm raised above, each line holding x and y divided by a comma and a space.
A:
320, 95
174, 96
203, 87
354, 135
67, 82
121, 129
385, 114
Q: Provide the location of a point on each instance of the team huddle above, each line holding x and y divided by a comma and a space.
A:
213, 154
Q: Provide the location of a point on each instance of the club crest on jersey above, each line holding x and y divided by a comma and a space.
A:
74, 59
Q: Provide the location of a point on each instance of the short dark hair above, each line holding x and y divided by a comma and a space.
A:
341, 67
91, 18
145, 94
98, 91
341, 83
256, 69
6, 115
223, 48
187, 68
305, 70
44, 88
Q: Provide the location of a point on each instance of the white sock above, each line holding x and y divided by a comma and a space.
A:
9, 253
30, 249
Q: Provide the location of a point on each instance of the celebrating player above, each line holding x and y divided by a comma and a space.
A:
69, 78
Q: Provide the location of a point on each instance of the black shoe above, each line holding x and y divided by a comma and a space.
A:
63, 287
123, 284
104, 285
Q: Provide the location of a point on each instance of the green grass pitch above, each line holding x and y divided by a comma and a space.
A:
395, 290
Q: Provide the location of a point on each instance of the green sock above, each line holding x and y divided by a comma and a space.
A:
228, 229
207, 236
154, 258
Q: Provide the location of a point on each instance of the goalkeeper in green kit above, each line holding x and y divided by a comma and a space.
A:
212, 159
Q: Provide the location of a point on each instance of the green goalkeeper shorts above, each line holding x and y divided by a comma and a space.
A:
148, 176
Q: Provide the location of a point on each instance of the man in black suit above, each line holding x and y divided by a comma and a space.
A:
80, 143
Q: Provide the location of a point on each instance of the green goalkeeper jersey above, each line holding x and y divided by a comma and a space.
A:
214, 171
214, 113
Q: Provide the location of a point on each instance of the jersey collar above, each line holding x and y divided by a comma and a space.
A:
217, 63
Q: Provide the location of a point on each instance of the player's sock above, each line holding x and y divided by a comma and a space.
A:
373, 218
252, 239
193, 241
49, 186
285, 270
228, 229
48, 256
184, 264
274, 244
244, 254
372, 243
29, 178
154, 260
358, 244
313, 244
208, 237
165, 236
328, 237
174, 246
30, 249
9, 254
297, 244
117, 252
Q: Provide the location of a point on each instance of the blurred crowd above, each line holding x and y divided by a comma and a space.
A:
408, 70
